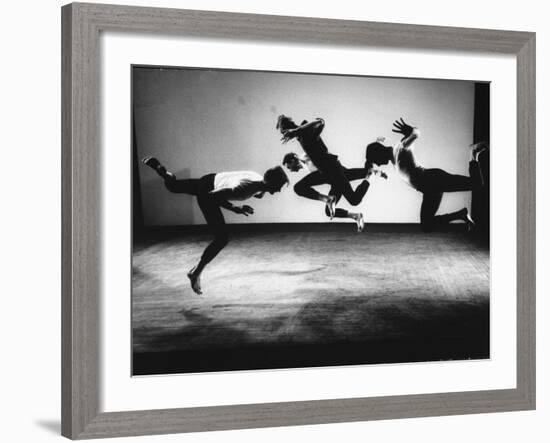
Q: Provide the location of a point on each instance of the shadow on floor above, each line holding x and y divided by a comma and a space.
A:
339, 331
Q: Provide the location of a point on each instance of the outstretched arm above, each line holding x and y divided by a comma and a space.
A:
227, 205
316, 127
410, 134
245, 209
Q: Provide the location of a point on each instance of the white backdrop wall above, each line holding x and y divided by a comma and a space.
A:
30, 184
202, 121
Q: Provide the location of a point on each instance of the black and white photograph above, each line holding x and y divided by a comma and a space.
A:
293, 220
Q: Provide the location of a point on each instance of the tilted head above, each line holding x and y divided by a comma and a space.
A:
285, 123
292, 162
377, 154
274, 179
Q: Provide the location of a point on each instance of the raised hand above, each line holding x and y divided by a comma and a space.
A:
288, 135
400, 127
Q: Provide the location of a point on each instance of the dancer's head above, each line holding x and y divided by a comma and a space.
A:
292, 162
377, 154
284, 123
274, 179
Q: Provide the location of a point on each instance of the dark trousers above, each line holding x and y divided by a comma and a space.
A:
304, 188
433, 183
333, 173
210, 209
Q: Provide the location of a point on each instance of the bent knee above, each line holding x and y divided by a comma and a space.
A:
354, 201
299, 189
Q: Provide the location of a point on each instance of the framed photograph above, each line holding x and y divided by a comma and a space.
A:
273, 221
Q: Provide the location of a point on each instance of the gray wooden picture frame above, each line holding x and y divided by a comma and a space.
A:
81, 166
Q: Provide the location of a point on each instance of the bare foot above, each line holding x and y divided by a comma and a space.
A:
150, 161
154, 164
478, 148
195, 280
360, 222
331, 201
470, 224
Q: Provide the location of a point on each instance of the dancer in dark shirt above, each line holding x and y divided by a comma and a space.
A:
308, 135
305, 186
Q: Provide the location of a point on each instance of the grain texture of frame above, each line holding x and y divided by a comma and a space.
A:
81, 27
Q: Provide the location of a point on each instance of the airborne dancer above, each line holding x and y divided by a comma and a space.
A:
308, 134
304, 187
215, 191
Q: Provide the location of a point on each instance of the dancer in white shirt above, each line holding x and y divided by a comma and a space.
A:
215, 191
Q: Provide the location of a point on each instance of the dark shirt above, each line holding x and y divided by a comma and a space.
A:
315, 148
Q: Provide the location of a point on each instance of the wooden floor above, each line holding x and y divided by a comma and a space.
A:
323, 297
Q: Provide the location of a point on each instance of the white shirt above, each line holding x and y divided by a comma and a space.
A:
243, 184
